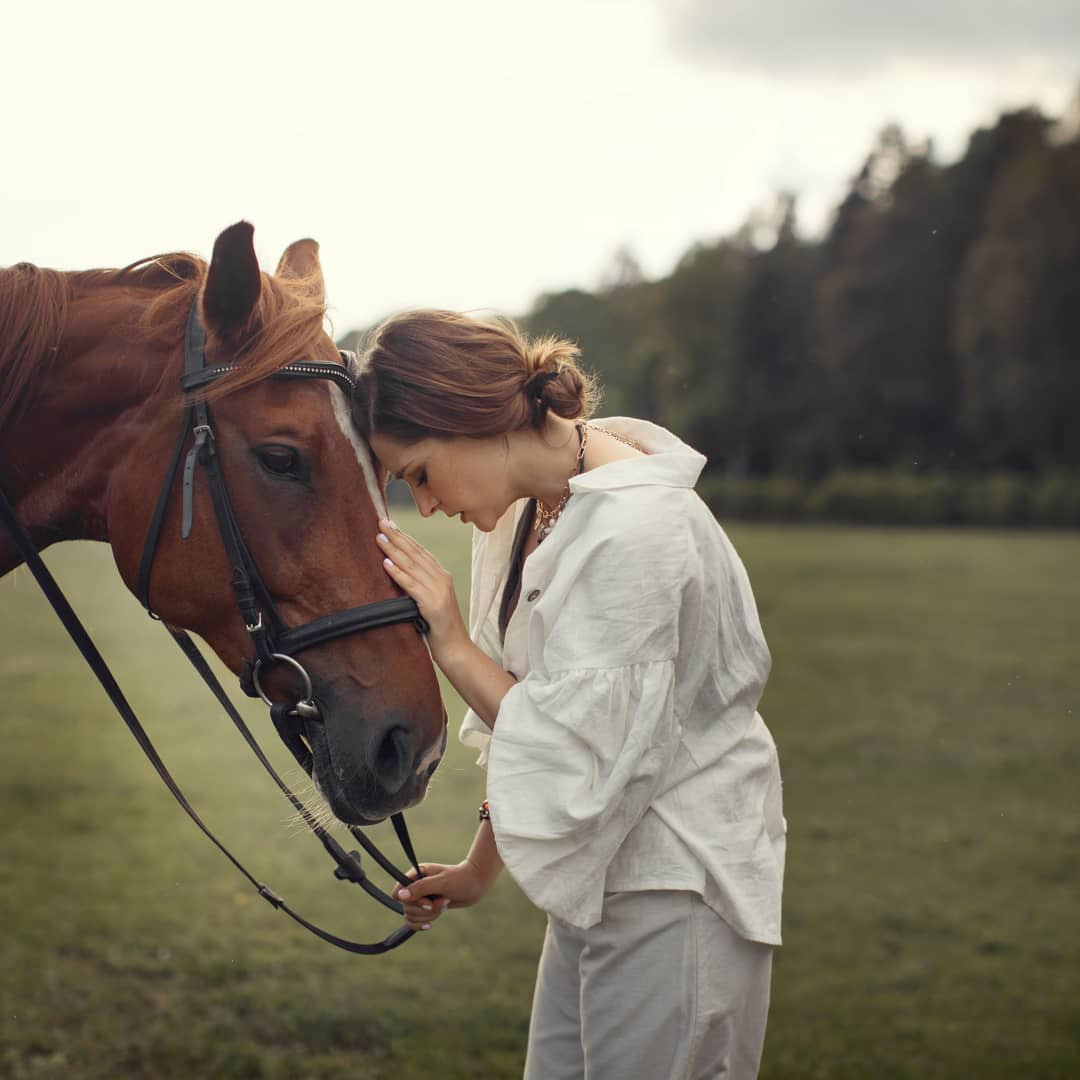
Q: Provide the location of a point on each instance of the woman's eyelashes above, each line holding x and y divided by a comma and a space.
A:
406, 476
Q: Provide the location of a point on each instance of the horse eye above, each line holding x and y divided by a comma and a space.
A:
280, 460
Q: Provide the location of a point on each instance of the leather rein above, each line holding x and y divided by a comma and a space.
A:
273, 642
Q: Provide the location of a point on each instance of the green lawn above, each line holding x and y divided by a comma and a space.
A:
922, 698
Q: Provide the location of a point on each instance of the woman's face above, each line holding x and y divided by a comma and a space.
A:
462, 477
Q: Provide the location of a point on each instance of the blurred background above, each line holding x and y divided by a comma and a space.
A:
836, 246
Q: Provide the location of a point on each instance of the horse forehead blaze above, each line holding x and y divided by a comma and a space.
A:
364, 456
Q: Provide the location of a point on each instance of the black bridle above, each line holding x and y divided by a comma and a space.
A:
273, 642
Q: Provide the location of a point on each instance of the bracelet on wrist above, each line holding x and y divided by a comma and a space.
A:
485, 811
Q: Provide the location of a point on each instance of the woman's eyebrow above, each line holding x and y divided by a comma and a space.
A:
401, 473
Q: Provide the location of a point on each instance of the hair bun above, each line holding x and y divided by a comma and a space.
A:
540, 379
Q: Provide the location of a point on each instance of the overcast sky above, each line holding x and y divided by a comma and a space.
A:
474, 153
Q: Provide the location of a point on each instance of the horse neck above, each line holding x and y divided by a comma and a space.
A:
84, 414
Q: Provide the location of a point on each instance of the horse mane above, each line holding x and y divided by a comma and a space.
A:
287, 323
33, 311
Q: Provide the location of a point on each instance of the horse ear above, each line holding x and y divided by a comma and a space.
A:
232, 283
301, 260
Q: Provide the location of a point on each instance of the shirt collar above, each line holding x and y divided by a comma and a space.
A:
667, 461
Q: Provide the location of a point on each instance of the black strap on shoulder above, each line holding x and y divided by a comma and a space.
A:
513, 580
348, 864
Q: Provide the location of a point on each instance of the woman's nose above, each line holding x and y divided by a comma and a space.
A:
424, 503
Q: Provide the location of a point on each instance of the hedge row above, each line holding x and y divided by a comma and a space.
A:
874, 496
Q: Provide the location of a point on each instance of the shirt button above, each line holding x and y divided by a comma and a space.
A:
533, 595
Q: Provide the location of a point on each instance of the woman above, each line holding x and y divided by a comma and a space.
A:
612, 673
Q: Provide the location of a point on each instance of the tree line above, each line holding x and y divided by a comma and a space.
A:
935, 326
932, 332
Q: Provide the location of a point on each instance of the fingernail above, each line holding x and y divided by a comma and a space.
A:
387, 562
425, 926
382, 537
445, 904
392, 524
426, 907
403, 894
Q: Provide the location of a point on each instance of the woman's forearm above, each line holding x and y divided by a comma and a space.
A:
483, 854
481, 683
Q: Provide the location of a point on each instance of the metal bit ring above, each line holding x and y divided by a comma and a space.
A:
306, 707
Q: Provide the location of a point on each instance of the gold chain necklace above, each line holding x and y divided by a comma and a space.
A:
545, 519
621, 438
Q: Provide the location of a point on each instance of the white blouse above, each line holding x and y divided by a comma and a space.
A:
629, 755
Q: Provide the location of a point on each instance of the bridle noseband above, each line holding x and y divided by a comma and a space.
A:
273, 642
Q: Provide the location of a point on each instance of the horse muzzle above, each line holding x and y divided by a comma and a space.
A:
368, 772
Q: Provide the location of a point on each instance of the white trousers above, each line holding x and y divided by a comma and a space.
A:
660, 989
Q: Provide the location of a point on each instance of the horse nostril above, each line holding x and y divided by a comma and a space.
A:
393, 762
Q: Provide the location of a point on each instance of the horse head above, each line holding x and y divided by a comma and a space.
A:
306, 494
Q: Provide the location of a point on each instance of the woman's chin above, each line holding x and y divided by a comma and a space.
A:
480, 519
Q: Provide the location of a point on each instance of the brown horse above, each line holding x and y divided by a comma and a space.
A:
90, 408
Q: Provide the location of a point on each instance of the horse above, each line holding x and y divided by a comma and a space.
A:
90, 407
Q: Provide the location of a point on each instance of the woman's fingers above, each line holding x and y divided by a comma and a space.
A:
429, 886
420, 574
398, 556
393, 538
401, 577
404, 549
420, 917
413, 567
421, 903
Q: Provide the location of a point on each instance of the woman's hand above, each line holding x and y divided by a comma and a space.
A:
476, 677
442, 887
429, 583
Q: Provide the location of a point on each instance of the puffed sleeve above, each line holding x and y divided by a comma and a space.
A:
574, 763
581, 745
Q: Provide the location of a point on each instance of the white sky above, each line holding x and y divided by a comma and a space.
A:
469, 154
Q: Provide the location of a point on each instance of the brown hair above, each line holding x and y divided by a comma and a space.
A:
440, 373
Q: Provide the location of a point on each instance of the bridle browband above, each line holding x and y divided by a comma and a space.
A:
273, 642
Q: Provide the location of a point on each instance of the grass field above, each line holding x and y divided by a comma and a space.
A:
924, 697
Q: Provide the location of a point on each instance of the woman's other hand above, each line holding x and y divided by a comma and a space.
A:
428, 582
442, 887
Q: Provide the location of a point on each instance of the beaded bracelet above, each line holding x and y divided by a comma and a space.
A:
485, 811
